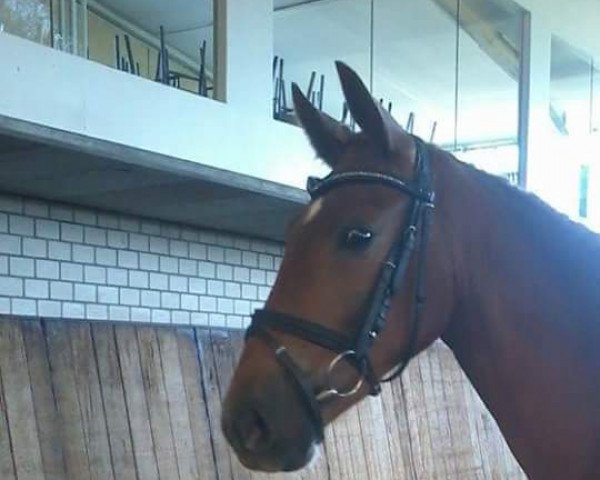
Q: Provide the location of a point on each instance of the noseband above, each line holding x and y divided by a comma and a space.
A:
355, 349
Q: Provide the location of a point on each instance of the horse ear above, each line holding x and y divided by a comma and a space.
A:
374, 120
327, 136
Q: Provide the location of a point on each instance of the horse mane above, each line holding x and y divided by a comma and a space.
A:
564, 241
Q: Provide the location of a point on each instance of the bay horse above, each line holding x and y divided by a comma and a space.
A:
373, 274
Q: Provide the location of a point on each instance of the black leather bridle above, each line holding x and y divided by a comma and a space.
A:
355, 349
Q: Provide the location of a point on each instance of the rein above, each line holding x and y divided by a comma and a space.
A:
355, 349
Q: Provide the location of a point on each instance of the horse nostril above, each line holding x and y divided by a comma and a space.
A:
253, 431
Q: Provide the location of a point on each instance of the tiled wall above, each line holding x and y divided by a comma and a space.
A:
68, 262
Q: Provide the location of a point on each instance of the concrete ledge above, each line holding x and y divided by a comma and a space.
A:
39, 161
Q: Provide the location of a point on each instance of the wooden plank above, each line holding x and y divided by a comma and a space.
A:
7, 466
177, 404
416, 412
196, 403
442, 437
334, 466
224, 362
90, 388
374, 434
65, 390
158, 403
135, 399
464, 455
46, 409
26, 451
113, 396
210, 381
90, 401
351, 461
397, 430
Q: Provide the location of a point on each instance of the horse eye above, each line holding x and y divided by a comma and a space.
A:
357, 238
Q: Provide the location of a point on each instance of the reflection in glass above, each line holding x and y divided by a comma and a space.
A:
308, 37
574, 138
570, 89
30, 19
169, 42
488, 80
414, 63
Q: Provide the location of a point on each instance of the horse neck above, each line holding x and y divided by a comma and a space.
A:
526, 321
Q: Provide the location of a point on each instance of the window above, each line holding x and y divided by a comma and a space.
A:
168, 42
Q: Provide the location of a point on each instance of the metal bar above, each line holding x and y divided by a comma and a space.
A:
201, 89
63, 23
456, 72
311, 84
433, 129
591, 126
157, 76
164, 71
86, 29
524, 98
129, 53
410, 123
371, 45
166, 64
275, 85
344, 112
321, 90
74, 32
276, 98
280, 93
283, 97
185, 76
152, 40
118, 52
51, 5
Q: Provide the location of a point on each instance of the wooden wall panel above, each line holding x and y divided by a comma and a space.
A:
82, 400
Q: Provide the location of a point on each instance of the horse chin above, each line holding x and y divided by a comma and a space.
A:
288, 463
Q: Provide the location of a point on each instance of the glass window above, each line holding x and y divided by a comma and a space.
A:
413, 65
30, 19
308, 37
489, 57
571, 185
570, 89
169, 42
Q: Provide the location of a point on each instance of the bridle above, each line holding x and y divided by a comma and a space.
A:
355, 349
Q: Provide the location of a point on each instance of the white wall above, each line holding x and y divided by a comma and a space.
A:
69, 93
57, 261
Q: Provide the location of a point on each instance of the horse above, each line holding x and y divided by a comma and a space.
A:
403, 244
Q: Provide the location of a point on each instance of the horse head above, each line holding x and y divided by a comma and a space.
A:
347, 310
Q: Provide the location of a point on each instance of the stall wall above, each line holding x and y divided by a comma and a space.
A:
97, 400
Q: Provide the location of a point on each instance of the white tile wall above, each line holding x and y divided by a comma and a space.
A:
71, 262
